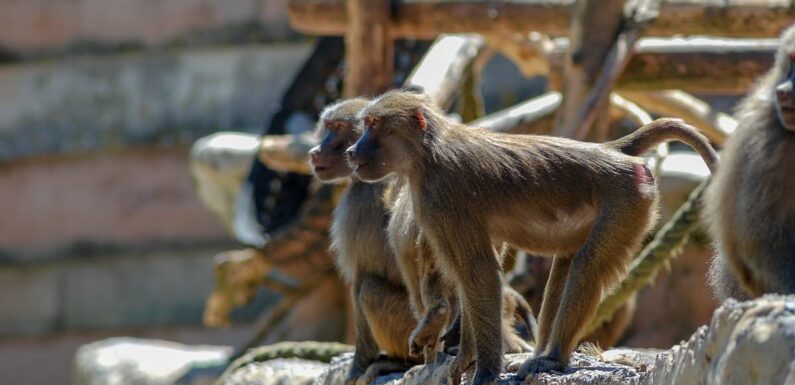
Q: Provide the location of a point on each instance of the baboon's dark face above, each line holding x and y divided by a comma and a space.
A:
385, 146
785, 95
369, 156
328, 158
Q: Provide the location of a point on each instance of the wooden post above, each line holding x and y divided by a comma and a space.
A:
368, 48
594, 27
428, 18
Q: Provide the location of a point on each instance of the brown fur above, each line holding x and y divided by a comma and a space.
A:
587, 205
749, 206
383, 319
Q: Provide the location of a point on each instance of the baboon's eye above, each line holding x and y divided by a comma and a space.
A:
340, 126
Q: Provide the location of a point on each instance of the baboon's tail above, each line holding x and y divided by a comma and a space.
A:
664, 130
525, 313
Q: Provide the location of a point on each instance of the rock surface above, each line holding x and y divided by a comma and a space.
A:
746, 343
122, 361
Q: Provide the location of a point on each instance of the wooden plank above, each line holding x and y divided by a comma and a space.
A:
369, 48
426, 18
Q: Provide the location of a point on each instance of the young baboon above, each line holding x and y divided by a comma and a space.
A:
749, 208
588, 205
382, 314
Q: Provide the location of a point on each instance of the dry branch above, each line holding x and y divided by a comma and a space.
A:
426, 18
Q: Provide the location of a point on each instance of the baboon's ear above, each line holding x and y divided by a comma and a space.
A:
420, 118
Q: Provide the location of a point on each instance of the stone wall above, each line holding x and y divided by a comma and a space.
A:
36, 27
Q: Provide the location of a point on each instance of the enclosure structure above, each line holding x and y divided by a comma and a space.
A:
605, 60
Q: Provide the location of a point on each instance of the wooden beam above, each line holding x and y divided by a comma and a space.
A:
710, 65
694, 64
426, 19
369, 46
440, 72
534, 116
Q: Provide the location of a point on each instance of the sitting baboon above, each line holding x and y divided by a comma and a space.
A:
382, 316
748, 207
588, 205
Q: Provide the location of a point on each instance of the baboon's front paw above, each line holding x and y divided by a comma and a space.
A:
420, 340
540, 365
457, 369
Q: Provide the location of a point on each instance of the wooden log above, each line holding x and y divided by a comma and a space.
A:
693, 64
594, 27
710, 65
642, 13
369, 46
439, 74
287, 152
441, 71
534, 116
300, 252
425, 19
529, 53
716, 125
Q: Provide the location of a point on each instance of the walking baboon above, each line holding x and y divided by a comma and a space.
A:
436, 301
382, 315
382, 312
586, 204
749, 207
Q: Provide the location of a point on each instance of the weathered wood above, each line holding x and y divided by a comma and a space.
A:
594, 27
638, 19
287, 152
426, 19
529, 53
693, 64
299, 253
716, 125
369, 46
698, 64
441, 71
533, 116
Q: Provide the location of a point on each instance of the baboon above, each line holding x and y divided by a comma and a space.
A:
382, 315
434, 301
588, 205
748, 208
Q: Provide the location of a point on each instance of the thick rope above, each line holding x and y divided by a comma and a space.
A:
667, 244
